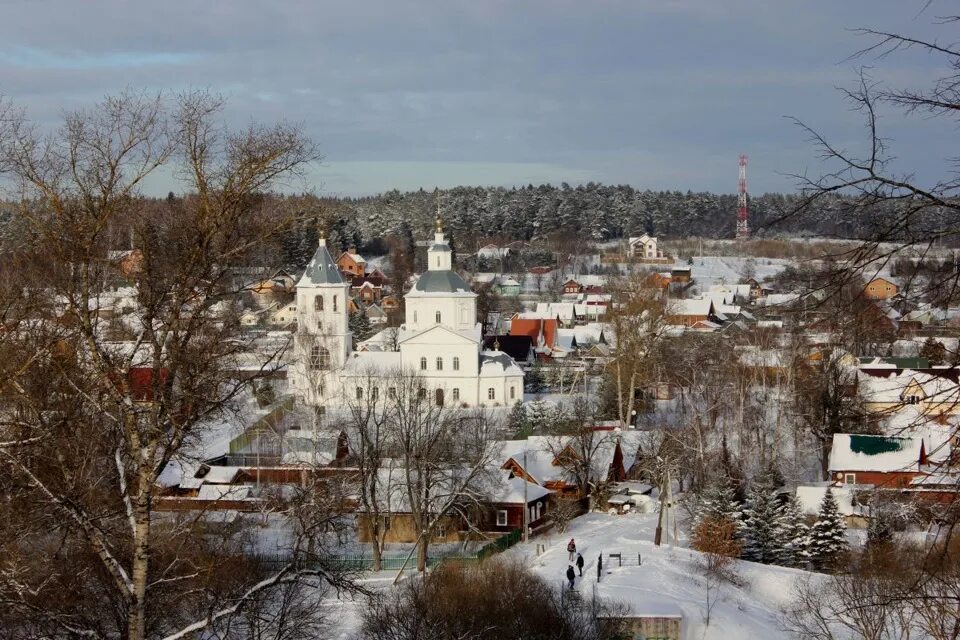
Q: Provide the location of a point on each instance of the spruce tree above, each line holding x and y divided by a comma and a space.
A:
761, 531
828, 540
718, 502
518, 421
360, 325
794, 533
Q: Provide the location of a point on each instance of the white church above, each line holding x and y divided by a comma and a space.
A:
440, 341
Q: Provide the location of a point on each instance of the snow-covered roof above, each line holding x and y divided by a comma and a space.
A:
445, 283
223, 492
510, 490
811, 496
689, 307
498, 364
854, 452
362, 362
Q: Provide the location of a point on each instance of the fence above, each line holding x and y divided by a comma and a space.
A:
363, 562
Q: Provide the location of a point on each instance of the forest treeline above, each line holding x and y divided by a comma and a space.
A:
473, 216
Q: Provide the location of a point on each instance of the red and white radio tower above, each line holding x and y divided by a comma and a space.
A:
743, 227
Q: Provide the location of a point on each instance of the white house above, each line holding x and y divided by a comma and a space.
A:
643, 247
440, 340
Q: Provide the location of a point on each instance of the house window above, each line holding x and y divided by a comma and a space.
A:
438, 397
375, 393
491, 394
456, 393
359, 393
318, 303
423, 364
392, 392
334, 303
438, 317
913, 399
319, 358
501, 517
421, 393
439, 364
456, 363
414, 317
513, 392
850, 478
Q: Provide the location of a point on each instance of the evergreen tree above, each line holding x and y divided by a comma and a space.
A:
534, 380
718, 501
794, 533
828, 540
360, 325
762, 530
518, 421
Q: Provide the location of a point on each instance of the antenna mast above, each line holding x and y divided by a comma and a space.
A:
743, 226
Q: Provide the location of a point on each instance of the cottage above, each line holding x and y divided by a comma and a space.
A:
644, 246
879, 461
351, 263
880, 289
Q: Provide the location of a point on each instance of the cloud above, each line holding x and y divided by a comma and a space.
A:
403, 93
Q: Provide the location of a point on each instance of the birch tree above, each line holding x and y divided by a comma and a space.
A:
87, 426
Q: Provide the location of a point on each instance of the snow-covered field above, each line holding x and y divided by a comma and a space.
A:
669, 579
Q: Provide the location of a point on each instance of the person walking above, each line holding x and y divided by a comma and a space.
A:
571, 576
580, 564
572, 549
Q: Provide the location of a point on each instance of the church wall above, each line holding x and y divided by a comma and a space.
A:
456, 312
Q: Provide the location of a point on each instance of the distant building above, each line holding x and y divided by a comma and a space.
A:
880, 289
352, 263
644, 246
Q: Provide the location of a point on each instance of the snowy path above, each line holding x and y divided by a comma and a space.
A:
668, 580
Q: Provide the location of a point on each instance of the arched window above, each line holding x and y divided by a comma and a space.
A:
438, 317
423, 364
375, 394
414, 317
438, 397
359, 393
438, 261
439, 364
421, 393
456, 363
318, 303
491, 394
319, 357
334, 303
456, 393
513, 392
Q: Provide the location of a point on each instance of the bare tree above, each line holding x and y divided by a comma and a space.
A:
87, 426
445, 457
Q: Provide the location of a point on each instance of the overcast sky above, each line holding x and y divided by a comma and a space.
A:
655, 93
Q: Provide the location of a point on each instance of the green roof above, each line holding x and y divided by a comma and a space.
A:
877, 445
900, 363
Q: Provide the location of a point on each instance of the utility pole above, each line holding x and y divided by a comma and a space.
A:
526, 525
664, 506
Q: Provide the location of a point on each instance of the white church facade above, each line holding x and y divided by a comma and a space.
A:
440, 341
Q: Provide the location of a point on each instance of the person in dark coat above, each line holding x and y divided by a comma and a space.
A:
580, 564
571, 576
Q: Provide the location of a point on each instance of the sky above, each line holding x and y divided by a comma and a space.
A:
660, 94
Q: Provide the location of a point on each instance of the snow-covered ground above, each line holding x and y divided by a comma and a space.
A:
669, 579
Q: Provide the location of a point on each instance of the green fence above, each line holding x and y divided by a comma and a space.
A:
395, 562
500, 544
